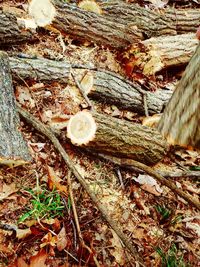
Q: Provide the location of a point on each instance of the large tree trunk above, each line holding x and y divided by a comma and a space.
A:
180, 123
116, 137
13, 149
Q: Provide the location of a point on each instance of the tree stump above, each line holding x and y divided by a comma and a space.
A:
116, 137
13, 149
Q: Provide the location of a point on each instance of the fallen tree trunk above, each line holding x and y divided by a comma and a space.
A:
180, 123
122, 24
93, 27
13, 149
153, 23
162, 52
10, 31
106, 29
116, 137
108, 87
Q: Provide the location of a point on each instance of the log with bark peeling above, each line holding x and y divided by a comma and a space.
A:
10, 31
162, 52
113, 136
108, 87
13, 149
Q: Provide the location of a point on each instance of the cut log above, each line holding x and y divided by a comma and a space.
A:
108, 87
110, 30
93, 27
13, 149
117, 137
153, 23
122, 24
180, 123
10, 31
162, 52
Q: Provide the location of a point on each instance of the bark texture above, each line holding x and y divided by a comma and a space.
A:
13, 149
122, 24
162, 52
111, 29
154, 23
93, 27
108, 87
180, 123
10, 32
124, 139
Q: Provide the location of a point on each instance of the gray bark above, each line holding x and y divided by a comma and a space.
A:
109, 87
13, 149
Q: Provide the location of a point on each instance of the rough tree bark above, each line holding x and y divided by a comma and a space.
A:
116, 137
106, 29
108, 87
135, 23
153, 23
10, 31
13, 149
162, 52
180, 123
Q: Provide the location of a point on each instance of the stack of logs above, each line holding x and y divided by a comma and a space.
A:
119, 26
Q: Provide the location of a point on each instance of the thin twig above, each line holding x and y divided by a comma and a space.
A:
49, 134
146, 111
120, 178
76, 219
132, 163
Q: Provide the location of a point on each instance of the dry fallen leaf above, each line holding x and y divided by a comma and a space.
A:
159, 3
149, 184
7, 190
49, 240
54, 181
62, 239
22, 233
117, 251
39, 259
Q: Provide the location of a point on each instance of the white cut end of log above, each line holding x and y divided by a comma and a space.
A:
91, 6
81, 128
42, 11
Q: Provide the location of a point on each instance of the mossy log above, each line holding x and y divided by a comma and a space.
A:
13, 149
180, 122
158, 53
116, 137
108, 87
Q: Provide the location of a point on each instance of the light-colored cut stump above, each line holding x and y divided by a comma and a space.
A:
116, 137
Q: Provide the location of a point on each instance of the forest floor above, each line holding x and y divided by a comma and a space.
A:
37, 224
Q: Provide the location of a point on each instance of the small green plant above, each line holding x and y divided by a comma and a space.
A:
171, 257
47, 204
163, 211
